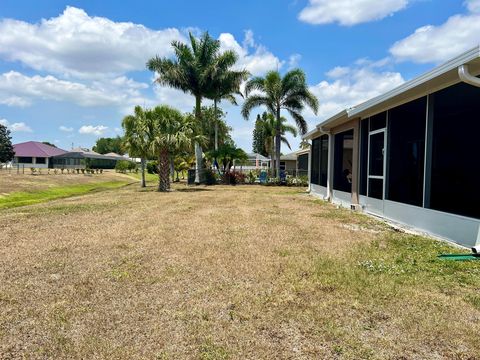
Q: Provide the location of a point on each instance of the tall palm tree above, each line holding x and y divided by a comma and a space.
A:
191, 72
268, 122
225, 83
289, 93
136, 137
169, 131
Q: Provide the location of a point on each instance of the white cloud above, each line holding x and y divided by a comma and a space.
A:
16, 127
16, 101
117, 91
350, 86
65, 128
349, 12
93, 130
75, 43
293, 61
434, 44
473, 5
252, 56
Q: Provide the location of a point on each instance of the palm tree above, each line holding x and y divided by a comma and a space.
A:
289, 93
191, 71
227, 154
269, 127
225, 83
136, 137
169, 131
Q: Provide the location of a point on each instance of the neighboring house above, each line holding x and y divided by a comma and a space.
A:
35, 154
409, 155
83, 157
256, 161
295, 163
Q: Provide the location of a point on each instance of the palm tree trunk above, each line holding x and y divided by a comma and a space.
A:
163, 171
272, 157
198, 148
216, 124
277, 144
142, 166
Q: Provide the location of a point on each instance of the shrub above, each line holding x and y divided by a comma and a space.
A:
55, 171
273, 181
101, 171
210, 177
123, 165
78, 171
233, 178
239, 177
83, 171
62, 170
152, 167
251, 177
33, 170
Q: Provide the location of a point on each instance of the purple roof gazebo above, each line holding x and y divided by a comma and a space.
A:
36, 149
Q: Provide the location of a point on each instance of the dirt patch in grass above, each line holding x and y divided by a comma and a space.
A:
232, 272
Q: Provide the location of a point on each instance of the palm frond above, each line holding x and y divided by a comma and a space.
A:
253, 102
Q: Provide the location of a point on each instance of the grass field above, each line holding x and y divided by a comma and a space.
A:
244, 272
22, 190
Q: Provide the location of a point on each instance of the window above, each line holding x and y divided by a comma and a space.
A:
315, 170
25, 160
40, 160
363, 156
343, 157
303, 163
406, 152
282, 165
378, 121
455, 172
324, 160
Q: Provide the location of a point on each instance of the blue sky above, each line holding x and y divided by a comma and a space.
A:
69, 71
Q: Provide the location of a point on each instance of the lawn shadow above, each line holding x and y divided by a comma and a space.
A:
192, 190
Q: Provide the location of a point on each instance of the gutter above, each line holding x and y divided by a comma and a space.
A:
466, 77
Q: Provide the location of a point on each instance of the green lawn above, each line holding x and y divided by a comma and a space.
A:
152, 177
22, 198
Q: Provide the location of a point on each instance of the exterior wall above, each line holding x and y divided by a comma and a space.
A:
290, 165
31, 165
318, 190
454, 228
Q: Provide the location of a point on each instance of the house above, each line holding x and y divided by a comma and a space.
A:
409, 155
34, 154
79, 158
295, 163
256, 161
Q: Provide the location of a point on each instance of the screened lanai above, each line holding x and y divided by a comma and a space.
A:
410, 155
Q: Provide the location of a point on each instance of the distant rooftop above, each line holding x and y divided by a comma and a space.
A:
255, 156
36, 149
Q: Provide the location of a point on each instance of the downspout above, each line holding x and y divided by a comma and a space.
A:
466, 77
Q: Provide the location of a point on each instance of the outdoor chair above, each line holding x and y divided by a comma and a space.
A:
263, 177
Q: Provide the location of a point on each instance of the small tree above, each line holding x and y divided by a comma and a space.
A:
136, 139
258, 142
108, 145
168, 132
6, 149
